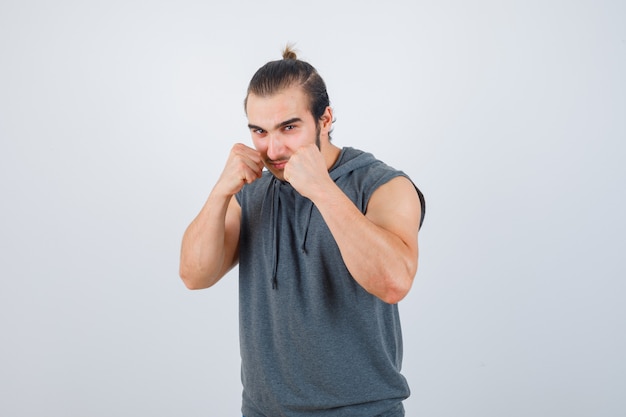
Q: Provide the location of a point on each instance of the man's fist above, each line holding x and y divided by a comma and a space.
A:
306, 170
243, 166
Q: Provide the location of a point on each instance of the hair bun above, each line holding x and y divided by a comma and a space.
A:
289, 52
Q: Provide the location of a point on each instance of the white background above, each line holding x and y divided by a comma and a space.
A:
116, 118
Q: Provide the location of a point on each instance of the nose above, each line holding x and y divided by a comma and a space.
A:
275, 147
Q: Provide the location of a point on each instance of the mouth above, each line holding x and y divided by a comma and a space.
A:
277, 165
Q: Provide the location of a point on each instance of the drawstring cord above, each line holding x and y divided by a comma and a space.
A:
275, 209
306, 229
275, 203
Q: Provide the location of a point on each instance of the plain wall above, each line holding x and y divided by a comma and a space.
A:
116, 118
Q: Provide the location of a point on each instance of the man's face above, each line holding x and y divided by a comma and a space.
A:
279, 125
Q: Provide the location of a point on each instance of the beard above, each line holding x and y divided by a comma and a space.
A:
318, 140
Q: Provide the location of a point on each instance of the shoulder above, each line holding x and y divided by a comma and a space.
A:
393, 189
396, 205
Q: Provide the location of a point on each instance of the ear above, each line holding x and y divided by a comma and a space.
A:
326, 121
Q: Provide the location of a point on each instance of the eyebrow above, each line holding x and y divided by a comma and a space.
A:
278, 126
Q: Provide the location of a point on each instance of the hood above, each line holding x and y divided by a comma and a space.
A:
349, 160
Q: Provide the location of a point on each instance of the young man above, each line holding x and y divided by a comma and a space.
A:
326, 242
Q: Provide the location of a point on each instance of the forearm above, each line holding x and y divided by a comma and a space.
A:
376, 258
203, 249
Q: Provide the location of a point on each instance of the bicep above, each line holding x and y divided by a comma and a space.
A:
395, 206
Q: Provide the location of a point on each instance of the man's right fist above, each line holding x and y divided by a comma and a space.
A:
244, 166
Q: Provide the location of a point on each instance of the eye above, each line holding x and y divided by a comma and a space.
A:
258, 131
290, 127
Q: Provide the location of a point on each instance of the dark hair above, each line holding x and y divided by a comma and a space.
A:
275, 76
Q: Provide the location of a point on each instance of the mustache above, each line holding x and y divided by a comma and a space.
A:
277, 160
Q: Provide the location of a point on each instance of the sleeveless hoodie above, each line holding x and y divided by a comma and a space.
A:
313, 341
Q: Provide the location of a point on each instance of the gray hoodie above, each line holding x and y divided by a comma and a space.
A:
313, 341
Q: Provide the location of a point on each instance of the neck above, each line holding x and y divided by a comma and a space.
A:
330, 152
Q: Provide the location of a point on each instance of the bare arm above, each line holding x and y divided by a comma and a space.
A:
210, 244
379, 247
209, 247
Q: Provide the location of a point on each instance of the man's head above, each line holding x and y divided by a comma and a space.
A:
287, 107
276, 76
